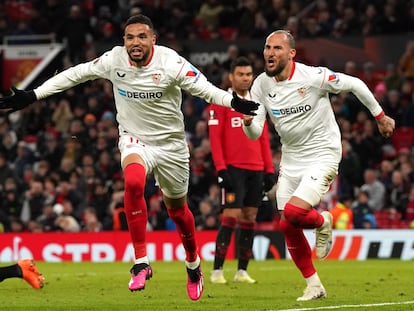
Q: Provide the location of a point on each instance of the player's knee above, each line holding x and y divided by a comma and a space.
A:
134, 179
290, 214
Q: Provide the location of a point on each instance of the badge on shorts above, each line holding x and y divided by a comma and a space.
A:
230, 197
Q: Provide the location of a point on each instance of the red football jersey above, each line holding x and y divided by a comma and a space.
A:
231, 146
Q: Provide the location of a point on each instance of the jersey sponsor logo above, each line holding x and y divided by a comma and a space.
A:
120, 74
236, 122
140, 95
272, 95
292, 110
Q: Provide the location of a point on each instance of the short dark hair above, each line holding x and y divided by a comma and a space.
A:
241, 61
139, 19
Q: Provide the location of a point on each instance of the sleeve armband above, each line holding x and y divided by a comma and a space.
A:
379, 116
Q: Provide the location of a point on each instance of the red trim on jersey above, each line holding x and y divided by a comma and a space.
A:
379, 116
293, 70
150, 58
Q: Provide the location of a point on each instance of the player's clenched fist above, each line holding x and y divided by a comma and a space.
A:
386, 126
18, 100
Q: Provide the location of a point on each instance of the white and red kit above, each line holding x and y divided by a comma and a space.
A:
302, 114
148, 104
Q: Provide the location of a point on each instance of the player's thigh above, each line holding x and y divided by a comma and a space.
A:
254, 188
310, 184
130, 145
235, 197
172, 172
315, 183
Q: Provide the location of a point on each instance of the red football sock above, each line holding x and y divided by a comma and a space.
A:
302, 218
135, 207
299, 248
184, 221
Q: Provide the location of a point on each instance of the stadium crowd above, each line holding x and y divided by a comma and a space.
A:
59, 170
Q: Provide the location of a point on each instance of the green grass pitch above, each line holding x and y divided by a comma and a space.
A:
351, 285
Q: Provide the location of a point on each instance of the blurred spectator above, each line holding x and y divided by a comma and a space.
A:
393, 79
206, 219
33, 202
67, 223
6, 170
366, 142
362, 212
90, 221
342, 213
406, 61
371, 21
409, 214
397, 198
202, 176
349, 171
209, 13
62, 115
371, 76
157, 213
374, 188
75, 29
48, 218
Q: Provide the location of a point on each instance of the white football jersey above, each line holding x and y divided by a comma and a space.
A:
301, 110
148, 99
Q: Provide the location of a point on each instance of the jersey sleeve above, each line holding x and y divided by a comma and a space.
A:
97, 68
334, 82
255, 129
216, 119
266, 151
192, 80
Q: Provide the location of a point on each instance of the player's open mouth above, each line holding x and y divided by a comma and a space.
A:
136, 51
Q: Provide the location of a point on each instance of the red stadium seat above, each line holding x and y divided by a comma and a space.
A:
403, 137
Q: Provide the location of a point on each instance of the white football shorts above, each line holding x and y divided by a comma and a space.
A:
169, 162
308, 182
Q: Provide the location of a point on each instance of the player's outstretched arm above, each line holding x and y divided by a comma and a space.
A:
244, 106
18, 100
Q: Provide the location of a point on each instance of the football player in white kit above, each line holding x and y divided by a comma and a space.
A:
147, 81
296, 97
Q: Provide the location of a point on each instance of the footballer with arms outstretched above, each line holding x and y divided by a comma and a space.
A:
296, 97
147, 81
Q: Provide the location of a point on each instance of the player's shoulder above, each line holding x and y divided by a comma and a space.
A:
165, 51
262, 77
114, 53
310, 69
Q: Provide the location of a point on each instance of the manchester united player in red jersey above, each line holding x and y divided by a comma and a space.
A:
242, 175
